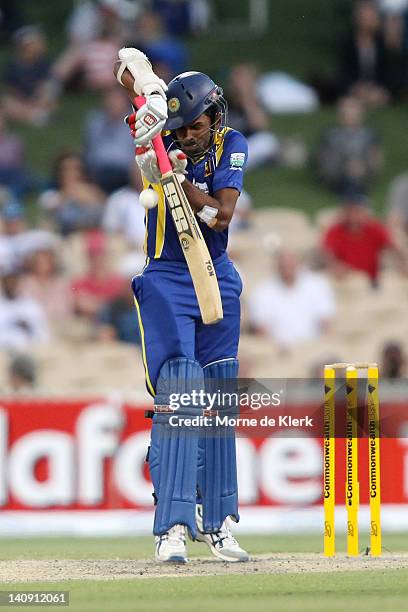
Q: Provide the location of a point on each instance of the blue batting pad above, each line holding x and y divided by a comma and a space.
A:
217, 465
174, 449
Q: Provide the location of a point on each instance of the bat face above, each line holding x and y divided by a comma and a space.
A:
180, 208
175, 202
185, 222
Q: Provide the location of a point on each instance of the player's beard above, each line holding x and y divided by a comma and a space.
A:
196, 153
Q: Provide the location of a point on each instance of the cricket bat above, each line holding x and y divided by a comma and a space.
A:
191, 239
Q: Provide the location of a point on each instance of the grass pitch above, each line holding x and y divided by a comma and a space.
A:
368, 591
297, 585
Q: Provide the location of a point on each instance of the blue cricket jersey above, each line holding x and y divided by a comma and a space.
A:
221, 167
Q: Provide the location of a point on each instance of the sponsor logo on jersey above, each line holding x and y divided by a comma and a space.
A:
237, 160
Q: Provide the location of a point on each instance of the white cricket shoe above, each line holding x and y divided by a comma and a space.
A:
221, 543
171, 546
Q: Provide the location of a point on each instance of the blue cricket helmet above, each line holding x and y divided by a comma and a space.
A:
189, 95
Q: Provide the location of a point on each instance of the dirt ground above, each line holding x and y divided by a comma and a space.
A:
119, 569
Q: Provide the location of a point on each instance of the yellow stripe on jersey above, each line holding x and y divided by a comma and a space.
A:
146, 231
161, 219
219, 139
146, 186
142, 339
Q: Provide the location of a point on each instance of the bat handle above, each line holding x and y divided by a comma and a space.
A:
158, 145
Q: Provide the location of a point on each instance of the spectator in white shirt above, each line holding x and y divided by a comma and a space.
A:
22, 320
294, 305
123, 214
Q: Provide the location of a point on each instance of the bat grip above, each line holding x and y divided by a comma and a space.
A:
158, 145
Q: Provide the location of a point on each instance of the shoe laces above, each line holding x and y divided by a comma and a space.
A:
224, 533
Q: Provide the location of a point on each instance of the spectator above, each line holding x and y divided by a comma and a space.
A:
117, 320
22, 320
241, 220
350, 153
123, 213
167, 54
75, 203
84, 22
363, 59
30, 93
397, 205
22, 374
90, 61
292, 306
13, 174
395, 56
108, 150
246, 115
45, 283
357, 240
99, 285
88, 18
394, 7
17, 242
184, 15
393, 361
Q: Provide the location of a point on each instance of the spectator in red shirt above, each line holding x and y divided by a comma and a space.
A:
357, 240
99, 285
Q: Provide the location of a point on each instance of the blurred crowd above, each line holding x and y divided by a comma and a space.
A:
66, 261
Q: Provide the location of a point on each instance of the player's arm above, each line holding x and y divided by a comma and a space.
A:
227, 185
215, 210
134, 72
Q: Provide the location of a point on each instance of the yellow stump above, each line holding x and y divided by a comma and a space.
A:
374, 460
329, 461
352, 485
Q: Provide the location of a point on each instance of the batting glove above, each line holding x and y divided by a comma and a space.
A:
150, 119
178, 160
145, 81
147, 161
130, 120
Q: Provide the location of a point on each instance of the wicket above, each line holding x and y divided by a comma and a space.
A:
352, 493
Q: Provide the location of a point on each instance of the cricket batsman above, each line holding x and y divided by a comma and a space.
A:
194, 474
